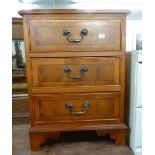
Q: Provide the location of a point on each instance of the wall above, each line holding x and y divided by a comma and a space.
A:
133, 27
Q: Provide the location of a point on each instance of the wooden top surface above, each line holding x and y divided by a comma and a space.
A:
70, 11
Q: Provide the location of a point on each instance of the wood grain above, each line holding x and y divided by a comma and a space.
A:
53, 107
49, 88
71, 11
17, 29
50, 72
47, 35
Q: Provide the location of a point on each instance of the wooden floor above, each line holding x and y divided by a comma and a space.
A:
85, 143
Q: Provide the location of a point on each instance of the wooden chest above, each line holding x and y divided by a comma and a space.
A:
75, 72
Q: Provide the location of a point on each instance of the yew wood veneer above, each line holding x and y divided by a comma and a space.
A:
75, 70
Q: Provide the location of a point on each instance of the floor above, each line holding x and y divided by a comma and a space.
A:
79, 143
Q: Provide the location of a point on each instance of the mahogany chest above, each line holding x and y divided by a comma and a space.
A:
75, 63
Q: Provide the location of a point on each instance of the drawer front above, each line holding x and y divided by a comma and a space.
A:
17, 32
75, 72
49, 35
20, 104
74, 107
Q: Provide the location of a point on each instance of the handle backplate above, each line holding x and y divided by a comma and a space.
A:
83, 70
85, 106
67, 33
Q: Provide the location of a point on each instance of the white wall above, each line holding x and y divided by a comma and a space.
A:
132, 27
133, 5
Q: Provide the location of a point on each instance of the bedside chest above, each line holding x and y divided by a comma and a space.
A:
75, 72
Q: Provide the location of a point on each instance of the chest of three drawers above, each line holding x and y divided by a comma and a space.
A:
75, 71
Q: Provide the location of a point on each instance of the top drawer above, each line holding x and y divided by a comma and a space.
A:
75, 35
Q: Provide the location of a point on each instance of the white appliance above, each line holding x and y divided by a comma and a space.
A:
133, 100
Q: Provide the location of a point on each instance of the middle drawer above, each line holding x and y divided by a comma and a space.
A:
58, 73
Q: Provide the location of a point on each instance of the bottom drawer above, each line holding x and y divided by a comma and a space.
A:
76, 107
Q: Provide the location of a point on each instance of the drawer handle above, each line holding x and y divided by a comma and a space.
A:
83, 70
67, 33
69, 106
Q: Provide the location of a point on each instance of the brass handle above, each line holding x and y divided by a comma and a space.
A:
77, 113
67, 33
83, 70
69, 106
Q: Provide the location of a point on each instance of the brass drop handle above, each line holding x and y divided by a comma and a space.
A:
67, 33
83, 70
69, 106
